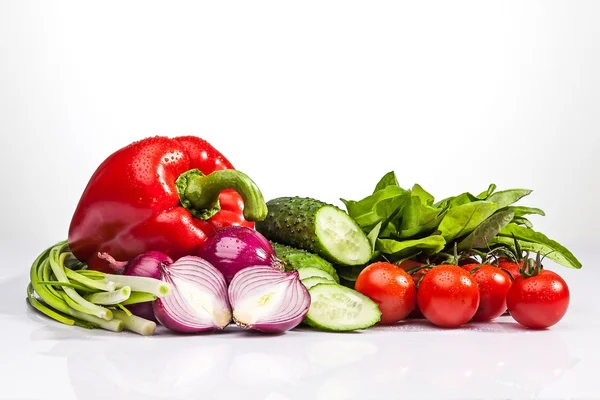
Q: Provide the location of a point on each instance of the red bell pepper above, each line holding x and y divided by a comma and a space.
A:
164, 194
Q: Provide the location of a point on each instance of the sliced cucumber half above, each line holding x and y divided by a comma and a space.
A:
338, 308
342, 237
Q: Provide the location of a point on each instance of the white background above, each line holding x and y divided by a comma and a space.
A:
309, 98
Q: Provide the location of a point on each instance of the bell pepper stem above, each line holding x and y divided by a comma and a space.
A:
199, 193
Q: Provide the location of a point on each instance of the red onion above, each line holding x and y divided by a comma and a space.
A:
268, 300
234, 248
198, 301
145, 264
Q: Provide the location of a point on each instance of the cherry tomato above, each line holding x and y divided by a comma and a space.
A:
448, 296
493, 285
390, 287
408, 265
511, 266
539, 301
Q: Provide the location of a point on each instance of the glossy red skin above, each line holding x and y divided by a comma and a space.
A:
391, 288
448, 296
130, 204
540, 301
407, 265
493, 285
510, 266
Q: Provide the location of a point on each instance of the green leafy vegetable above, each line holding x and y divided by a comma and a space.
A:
487, 193
376, 208
530, 240
521, 211
429, 245
388, 179
422, 194
463, 219
484, 233
505, 198
522, 221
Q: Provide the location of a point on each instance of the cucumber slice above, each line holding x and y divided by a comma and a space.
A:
314, 280
338, 308
317, 227
310, 272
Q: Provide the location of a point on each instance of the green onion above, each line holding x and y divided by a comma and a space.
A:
109, 298
140, 284
125, 310
136, 324
139, 297
92, 283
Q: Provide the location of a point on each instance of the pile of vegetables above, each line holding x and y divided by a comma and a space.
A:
168, 232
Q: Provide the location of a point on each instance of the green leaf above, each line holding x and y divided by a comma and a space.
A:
377, 207
487, 193
522, 221
429, 245
463, 219
531, 240
417, 218
521, 211
388, 179
422, 194
484, 233
372, 236
507, 197
426, 226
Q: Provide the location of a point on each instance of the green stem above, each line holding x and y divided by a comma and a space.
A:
139, 297
75, 286
199, 193
60, 275
91, 283
109, 298
136, 324
140, 284
35, 303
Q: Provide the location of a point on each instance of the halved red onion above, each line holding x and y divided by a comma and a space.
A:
268, 300
198, 301
234, 248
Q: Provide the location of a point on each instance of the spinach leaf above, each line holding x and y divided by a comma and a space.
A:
388, 179
429, 245
507, 197
463, 219
377, 207
521, 211
372, 236
426, 226
484, 233
417, 218
349, 273
522, 221
487, 193
426, 197
531, 240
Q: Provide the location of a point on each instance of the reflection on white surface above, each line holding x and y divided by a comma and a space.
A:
412, 360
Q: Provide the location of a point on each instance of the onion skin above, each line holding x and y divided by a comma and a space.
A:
206, 282
234, 248
250, 283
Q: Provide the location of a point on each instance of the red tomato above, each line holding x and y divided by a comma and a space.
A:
407, 265
539, 301
448, 296
493, 285
511, 266
390, 287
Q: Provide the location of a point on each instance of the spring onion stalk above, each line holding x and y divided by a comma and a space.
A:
109, 298
92, 283
140, 284
139, 297
125, 310
59, 273
135, 323
75, 286
75, 305
35, 303
90, 273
